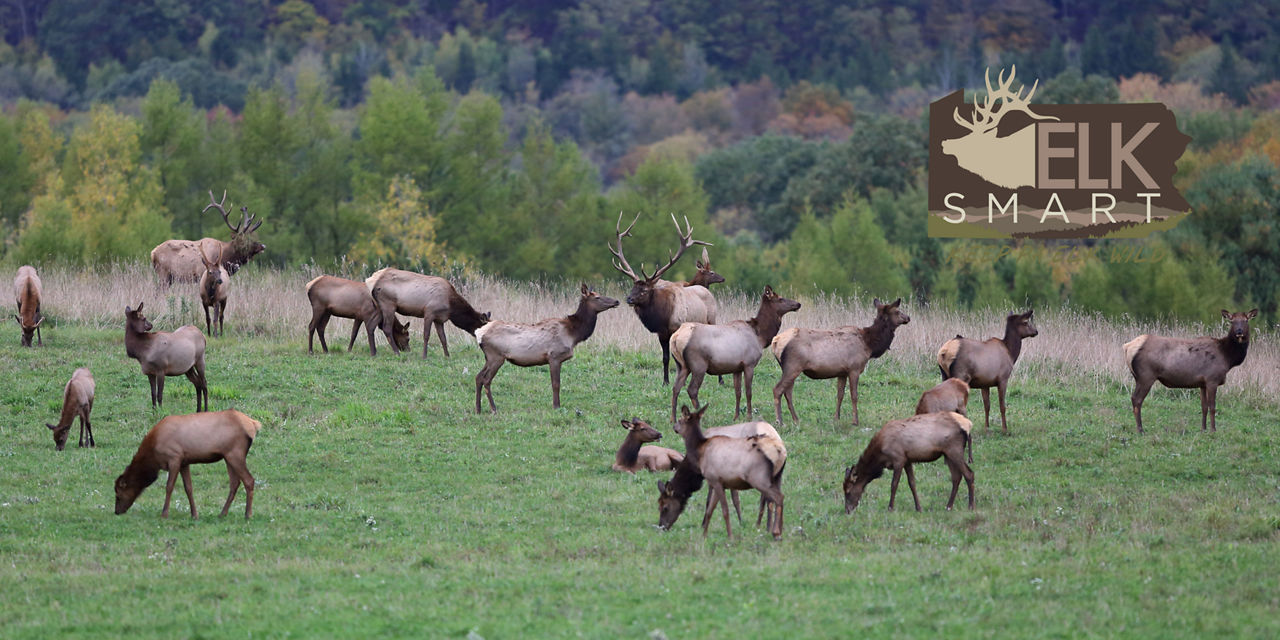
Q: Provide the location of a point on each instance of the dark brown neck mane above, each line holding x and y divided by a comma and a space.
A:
871, 464
766, 323
134, 341
583, 321
463, 315
686, 481
629, 451
1233, 351
1012, 340
879, 335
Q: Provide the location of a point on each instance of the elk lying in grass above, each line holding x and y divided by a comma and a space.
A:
753, 429
727, 348
548, 342
166, 354
841, 354
428, 297
180, 260
1188, 363
900, 443
77, 400
663, 306
990, 363
213, 291
632, 457
331, 296
177, 442
948, 395
29, 292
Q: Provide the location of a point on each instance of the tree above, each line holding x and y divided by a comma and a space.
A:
660, 188
170, 141
846, 254
16, 179
398, 229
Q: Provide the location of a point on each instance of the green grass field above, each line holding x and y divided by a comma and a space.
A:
385, 507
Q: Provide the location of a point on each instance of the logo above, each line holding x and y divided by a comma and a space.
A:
1004, 168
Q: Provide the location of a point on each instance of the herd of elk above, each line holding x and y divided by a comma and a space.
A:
29, 292
633, 457
182, 260
989, 363
77, 401
332, 296
900, 443
164, 354
214, 283
428, 297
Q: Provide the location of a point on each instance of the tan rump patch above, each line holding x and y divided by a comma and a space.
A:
680, 340
947, 354
313, 282
779, 344
1132, 347
965, 423
250, 426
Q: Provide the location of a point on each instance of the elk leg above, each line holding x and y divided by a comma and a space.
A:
426, 335
492, 362
695, 383
39, 338
737, 393
355, 332
1004, 422
208, 326
778, 390
840, 382
747, 376
711, 507
1139, 395
234, 480
444, 342
222, 317
911, 482
681, 374
236, 462
853, 396
195, 383
168, 487
89, 425
555, 383
1212, 392
986, 405
663, 339
955, 481
373, 347
760, 512
160, 392
317, 326
774, 496
388, 315
725, 504
186, 485
893, 491
737, 508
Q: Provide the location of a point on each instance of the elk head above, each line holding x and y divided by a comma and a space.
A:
129, 488
1239, 331
1022, 324
213, 272
29, 332
1008, 161
669, 506
400, 333
705, 276
59, 435
642, 292
134, 320
642, 430
243, 245
852, 490
891, 312
595, 301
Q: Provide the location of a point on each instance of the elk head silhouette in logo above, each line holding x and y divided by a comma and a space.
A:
1009, 161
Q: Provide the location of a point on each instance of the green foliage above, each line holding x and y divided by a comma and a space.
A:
752, 176
1071, 87
16, 179
660, 188
846, 254
171, 140
398, 227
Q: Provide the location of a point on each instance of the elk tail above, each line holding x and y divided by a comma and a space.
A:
947, 356
1131, 349
312, 284
680, 340
779, 344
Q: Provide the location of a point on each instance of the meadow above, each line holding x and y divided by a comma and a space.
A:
386, 507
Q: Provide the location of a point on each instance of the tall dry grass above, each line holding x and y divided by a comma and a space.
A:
1076, 347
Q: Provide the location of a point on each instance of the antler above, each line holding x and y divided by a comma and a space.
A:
221, 209
985, 117
247, 223
686, 241
624, 267
246, 219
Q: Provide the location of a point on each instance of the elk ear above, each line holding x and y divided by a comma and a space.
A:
1252, 314
768, 291
706, 259
626, 424
662, 487
585, 289
52, 427
139, 309
684, 411
877, 303
896, 303
1226, 314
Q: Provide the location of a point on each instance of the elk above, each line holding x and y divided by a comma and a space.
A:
632, 457
949, 395
1188, 363
181, 260
726, 348
164, 354
331, 296
177, 442
989, 363
840, 353
428, 297
1009, 161
29, 293
755, 428
213, 291
548, 342
661, 305
900, 443
77, 400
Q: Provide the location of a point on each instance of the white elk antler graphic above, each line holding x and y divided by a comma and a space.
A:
1009, 161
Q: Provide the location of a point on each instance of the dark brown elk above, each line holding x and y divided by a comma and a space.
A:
77, 401
177, 442
1188, 363
989, 363
948, 395
661, 305
213, 291
840, 353
633, 457
338, 297
163, 354
29, 293
548, 342
179, 260
727, 348
428, 297
901, 443
705, 277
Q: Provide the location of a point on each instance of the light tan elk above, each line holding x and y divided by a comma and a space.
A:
840, 353
548, 342
989, 363
213, 291
166, 354
180, 260
1010, 161
428, 297
633, 457
661, 305
331, 296
177, 442
753, 429
948, 395
29, 292
900, 443
1188, 363
727, 348
77, 400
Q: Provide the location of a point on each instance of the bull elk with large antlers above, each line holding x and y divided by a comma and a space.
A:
180, 260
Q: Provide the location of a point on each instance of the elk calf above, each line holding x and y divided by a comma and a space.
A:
166, 354
213, 291
428, 297
632, 457
331, 296
898, 444
77, 400
1188, 363
948, 395
990, 363
29, 292
177, 442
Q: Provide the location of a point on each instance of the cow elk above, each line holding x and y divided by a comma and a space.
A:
213, 292
752, 429
1188, 363
633, 457
901, 443
989, 363
548, 342
29, 292
164, 354
177, 442
181, 260
948, 395
338, 297
77, 401
839, 353
428, 297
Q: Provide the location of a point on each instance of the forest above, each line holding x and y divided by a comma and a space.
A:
507, 138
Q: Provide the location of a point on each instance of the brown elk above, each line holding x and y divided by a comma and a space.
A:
632, 457
213, 291
900, 443
177, 442
180, 260
548, 342
29, 292
663, 306
948, 395
428, 297
331, 296
989, 363
77, 400
727, 348
753, 429
164, 354
840, 353
1188, 363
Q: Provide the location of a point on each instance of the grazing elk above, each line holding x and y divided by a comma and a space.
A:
840, 353
900, 443
990, 363
663, 306
77, 400
166, 354
180, 260
632, 457
331, 296
428, 297
755, 428
1188, 363
213, 292
29, 292
177, 442
948, 395
727, 348
548, 342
